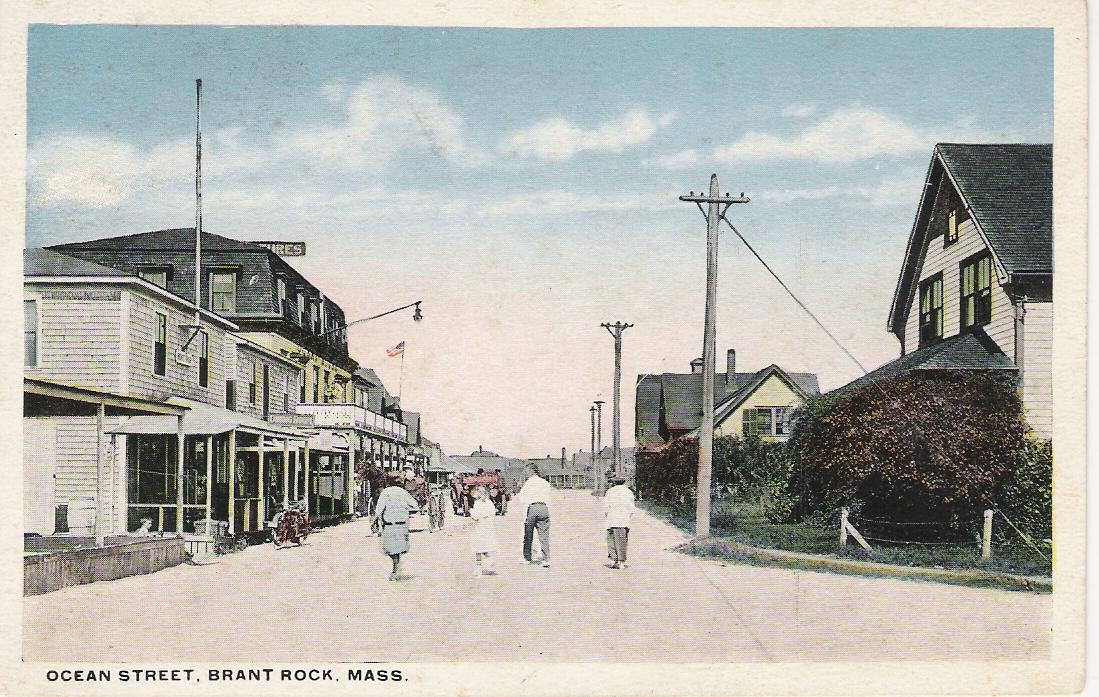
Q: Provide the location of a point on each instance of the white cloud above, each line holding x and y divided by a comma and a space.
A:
847, 135
385, 117
680, 160
799, 111
99, 172
559, 139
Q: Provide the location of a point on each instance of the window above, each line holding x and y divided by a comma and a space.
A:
327, 388
766, 422
314, 318
316, 384
301, 385
931, 309
157, 275
976, 289
301, 317
286, 393
951, 235
252, 384
231, 395
30, 333
160, 345
280, 285
223, 291
203, 359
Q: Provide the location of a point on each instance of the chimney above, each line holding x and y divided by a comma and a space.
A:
696, 365
480, 449
730, 362
562, 457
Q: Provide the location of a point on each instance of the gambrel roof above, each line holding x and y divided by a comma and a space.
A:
1008, 190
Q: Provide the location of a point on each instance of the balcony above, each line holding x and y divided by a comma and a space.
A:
353, 416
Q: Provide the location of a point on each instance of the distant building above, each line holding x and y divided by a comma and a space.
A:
669, 405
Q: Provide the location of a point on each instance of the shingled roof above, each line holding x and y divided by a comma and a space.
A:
672, 401
173, 239
46, 262
1009, 190
970, 350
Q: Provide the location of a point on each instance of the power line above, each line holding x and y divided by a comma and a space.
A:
795, 297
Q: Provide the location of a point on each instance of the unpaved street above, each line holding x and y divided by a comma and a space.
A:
667, 607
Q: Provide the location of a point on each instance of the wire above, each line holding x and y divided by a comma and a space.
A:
795, 298
914, 542
898, 522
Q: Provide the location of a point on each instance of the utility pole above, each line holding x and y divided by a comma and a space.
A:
599, 446
706, 432
594, 472
616, 330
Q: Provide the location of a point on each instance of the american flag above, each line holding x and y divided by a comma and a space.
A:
395, 351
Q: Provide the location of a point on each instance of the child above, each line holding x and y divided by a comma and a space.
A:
483, 515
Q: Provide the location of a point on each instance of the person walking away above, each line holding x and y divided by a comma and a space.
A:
618, 509
394, 506
483, 514
534, 500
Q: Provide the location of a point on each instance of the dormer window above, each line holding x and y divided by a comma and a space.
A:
157, 275
223, 291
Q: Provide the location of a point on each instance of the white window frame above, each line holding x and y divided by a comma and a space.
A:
36, 362
232, 275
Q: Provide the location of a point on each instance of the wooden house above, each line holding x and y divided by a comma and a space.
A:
669, 405
975, 290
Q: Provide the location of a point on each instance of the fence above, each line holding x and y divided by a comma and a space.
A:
984, 537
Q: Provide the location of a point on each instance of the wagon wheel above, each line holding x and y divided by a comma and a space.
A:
432, 504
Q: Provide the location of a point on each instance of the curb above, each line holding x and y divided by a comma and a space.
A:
813, 562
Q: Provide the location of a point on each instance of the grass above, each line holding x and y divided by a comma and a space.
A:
743, 524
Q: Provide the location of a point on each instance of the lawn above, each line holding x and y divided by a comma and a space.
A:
743, 524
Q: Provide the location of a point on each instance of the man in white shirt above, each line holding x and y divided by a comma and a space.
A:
618, 508
534, 500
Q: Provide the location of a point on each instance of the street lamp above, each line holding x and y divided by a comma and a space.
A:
417, 316
601, 482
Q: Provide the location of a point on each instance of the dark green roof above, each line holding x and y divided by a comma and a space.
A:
970, 350
1009, 188
175, 239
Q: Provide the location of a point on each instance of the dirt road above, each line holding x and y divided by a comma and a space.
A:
667, 607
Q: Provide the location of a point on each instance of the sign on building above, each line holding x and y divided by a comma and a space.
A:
284, 249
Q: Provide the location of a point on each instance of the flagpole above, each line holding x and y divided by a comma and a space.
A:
400, 382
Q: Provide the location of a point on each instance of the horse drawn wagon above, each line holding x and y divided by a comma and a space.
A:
462, 487
430, 497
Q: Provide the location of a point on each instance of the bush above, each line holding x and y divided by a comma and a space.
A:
1026, 497
928, 446
748, 469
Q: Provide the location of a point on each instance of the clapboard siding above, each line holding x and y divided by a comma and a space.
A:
179, 379
78, 341
948, 261
74, 450
280, 374
1038, 367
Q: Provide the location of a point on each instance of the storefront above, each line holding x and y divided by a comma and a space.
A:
211, 464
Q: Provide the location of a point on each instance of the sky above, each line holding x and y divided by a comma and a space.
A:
523, 184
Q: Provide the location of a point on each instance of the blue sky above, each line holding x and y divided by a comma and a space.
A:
523, 183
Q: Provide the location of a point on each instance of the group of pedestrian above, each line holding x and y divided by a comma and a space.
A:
395, 505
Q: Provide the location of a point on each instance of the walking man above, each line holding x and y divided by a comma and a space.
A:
534, 500
618, 508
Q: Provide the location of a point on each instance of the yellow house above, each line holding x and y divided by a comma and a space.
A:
668, 405
760, 408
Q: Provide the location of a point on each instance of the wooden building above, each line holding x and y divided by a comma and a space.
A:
669, 405
975, 290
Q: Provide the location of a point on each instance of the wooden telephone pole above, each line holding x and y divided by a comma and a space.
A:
616, 330
706, 432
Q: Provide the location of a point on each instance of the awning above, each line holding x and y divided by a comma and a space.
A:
206, 420
326, 441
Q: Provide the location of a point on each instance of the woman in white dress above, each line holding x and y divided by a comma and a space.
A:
483, 538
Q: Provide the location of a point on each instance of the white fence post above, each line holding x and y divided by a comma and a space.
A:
986, 539
843, 527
